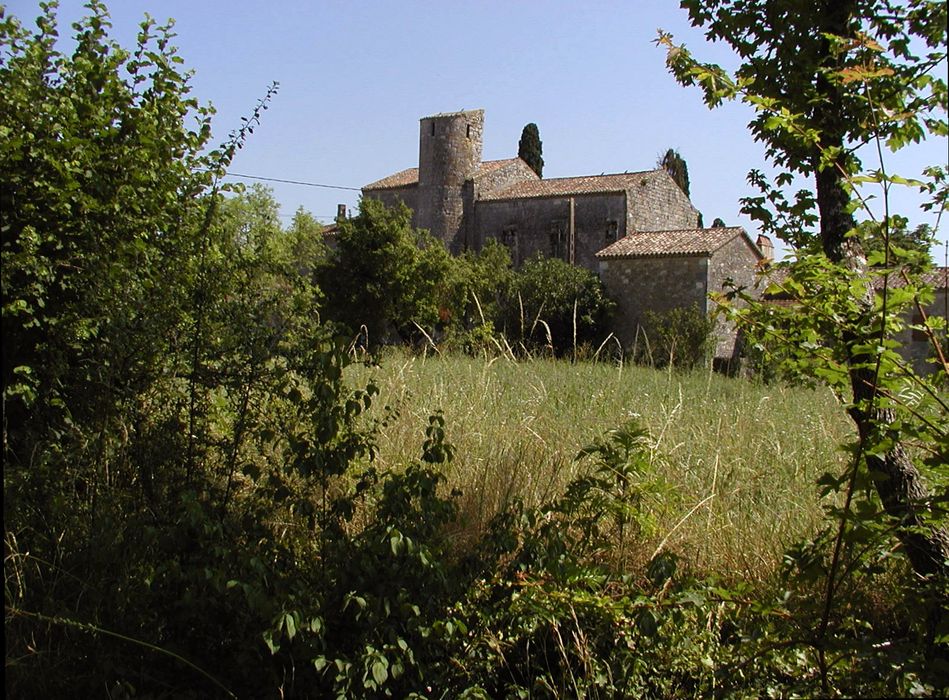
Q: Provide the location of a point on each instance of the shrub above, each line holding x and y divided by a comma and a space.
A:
557, 306
680, 337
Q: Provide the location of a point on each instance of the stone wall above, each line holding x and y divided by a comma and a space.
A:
737, 261
652, 284
449, 154
916, 348
392, 196
657, 204
542, 225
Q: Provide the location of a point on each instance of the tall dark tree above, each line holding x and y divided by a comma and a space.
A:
676, 166
530, 149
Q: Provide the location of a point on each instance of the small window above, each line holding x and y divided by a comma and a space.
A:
919, 334
433, 128
468, 131
558, 238
509, 239
612, 231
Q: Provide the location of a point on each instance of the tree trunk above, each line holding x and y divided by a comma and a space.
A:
899, 485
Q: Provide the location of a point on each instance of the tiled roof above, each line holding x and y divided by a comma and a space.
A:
405, 178
694, 241
936, 278
566, 186
399, 179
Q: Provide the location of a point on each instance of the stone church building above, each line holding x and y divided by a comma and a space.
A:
638, 231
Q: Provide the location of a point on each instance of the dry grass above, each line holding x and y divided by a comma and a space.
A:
740, 458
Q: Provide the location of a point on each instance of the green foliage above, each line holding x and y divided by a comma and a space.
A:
891, 244
676, 166
556, 305
384, 278
826, 79
102, 157
530, 149
681, 337
194, 503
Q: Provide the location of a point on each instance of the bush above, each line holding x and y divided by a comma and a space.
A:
556, 306
680, 337
386, 277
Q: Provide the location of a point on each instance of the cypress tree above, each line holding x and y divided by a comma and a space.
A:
675, 165
530, 149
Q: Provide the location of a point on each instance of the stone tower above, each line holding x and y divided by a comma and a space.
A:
449, 154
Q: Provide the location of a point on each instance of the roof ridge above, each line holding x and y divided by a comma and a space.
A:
585, 177
674, 242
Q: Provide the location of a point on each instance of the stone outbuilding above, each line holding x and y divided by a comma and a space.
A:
662, 270
638, 230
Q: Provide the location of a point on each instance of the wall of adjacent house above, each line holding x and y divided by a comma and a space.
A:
542, 225
658, 204
393, 195
499, 178
735, 261
916, 346
656, 284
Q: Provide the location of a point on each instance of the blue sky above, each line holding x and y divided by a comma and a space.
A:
355, 77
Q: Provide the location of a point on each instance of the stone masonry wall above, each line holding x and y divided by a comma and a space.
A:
449, 153
652, 284
392, 196
916, 347
735, 261
657, 204
539, 222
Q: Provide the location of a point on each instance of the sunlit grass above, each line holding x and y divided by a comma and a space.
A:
740, 459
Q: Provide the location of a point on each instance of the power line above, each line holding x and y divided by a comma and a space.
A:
295, 182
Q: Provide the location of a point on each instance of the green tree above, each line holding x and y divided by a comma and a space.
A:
163, 378
384, 276
556, 305
910, 247
827, 78
676, 166
530, 149
102, 165
718, 223
304, 240
681, 337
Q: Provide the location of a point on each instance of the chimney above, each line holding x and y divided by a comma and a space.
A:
765, 246
340, 212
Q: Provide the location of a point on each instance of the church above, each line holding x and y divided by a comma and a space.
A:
637, 230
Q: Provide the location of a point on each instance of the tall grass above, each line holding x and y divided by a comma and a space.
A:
739, 459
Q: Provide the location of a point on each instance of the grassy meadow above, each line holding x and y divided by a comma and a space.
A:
737, 460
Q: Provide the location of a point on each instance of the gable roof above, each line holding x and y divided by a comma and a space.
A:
566, 186
682, 242
409, 176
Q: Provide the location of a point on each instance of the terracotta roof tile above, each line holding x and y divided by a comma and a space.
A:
402, 178
408, 177
566, 186
937, 278
696, 241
